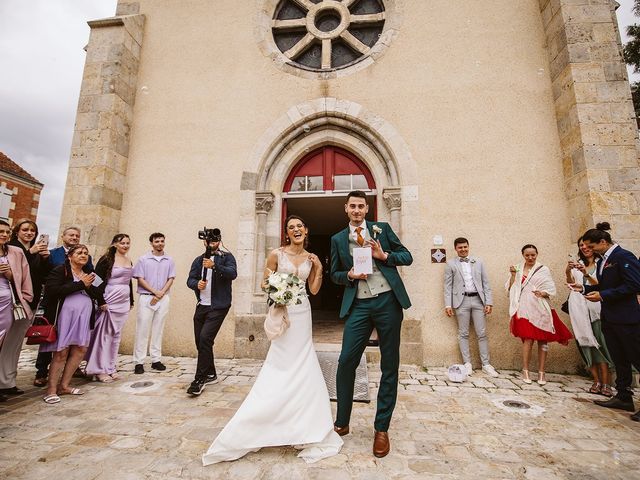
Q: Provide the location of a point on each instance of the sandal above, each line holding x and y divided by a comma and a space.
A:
606, 390
115, 376
51, 399
103, 377
525, 377
40, 382
541, 379
595, 388
73, 391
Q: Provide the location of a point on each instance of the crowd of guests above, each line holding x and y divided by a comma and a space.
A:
89, 307
603, 307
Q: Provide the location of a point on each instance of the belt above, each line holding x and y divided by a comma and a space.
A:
470, 294
147, 294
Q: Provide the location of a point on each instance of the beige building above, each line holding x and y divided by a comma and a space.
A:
505, 121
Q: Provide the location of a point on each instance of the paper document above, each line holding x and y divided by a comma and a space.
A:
362, 261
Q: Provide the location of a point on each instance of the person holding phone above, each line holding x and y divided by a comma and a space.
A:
57, 256
70, 298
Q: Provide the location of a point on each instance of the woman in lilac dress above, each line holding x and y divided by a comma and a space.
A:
70, 299
116, 270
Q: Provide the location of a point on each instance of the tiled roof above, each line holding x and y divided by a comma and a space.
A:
9, 166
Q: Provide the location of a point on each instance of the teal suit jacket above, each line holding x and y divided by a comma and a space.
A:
342, 262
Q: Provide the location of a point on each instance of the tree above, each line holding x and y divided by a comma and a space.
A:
631, 52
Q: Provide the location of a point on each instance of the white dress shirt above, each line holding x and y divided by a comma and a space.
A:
605, 257
469, 285
354, 234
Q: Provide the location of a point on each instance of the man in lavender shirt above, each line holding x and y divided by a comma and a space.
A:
155, 273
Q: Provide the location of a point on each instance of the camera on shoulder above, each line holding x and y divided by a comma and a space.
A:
210, 234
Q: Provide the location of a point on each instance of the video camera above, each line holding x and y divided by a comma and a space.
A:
210, 234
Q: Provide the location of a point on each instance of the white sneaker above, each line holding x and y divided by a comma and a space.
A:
489, 370
469, 368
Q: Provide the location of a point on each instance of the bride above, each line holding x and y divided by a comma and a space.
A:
289, 402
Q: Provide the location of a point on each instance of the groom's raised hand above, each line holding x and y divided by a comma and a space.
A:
376, 250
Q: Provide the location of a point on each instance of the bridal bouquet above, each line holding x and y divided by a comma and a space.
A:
283, 290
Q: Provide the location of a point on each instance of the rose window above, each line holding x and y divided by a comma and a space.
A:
324, 35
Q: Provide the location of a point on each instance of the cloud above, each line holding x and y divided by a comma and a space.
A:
41, 51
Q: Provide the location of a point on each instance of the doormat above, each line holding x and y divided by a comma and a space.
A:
329, 365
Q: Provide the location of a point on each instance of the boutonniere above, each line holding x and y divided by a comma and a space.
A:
376, 230
473, 260
609, 265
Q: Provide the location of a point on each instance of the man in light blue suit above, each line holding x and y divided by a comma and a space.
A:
467, 293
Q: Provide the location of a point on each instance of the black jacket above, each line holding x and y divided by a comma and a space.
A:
60, 284
224, 272
619, 285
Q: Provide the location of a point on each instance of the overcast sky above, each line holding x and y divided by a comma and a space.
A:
41, 63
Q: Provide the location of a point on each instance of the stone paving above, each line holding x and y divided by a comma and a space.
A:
440, 430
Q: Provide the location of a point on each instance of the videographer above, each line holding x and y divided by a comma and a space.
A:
210, 278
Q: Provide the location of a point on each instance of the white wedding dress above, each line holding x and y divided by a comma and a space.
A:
289, 402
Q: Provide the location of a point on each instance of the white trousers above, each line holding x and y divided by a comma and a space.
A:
150, 321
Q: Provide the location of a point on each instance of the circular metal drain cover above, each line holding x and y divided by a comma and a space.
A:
516, 404
141, 384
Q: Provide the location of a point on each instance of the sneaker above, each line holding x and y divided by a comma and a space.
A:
469, 368
139, 369
158, 366
196, 387
211, 379
489, 370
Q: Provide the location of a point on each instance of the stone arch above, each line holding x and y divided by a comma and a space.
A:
303, 128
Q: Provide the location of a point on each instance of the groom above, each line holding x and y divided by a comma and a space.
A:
374, 300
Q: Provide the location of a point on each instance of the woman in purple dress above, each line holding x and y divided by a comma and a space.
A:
70, 299
116, 270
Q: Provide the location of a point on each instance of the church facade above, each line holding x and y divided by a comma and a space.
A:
506, 122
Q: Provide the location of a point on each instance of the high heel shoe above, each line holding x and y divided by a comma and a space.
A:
525, 377
541, 379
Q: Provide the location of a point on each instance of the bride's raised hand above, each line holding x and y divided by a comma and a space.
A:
315, 260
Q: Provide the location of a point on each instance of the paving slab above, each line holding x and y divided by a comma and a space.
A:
440, 429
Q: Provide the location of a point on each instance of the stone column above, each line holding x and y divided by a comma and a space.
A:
264, 203
393, 200
100, 148
595, 116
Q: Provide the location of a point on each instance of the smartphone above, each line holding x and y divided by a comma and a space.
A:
44, 238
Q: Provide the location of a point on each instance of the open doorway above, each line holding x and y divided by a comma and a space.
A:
316, 191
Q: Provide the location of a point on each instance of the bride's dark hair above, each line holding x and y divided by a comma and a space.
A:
287, 241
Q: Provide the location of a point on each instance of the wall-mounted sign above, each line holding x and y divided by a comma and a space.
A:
438, 255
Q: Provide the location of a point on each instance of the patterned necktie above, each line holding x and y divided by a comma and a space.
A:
360, 238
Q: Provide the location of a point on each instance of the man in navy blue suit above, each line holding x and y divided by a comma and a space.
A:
618, 273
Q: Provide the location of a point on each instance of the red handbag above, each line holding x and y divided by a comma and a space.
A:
41, 333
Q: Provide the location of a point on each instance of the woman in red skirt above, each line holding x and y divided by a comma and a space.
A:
532, 319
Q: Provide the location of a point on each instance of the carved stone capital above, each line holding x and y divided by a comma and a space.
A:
392, 198
264, 202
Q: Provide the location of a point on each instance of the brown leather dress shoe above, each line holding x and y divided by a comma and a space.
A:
342, 431
381, 445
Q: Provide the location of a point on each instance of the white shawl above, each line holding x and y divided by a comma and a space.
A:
523, 301
582, 312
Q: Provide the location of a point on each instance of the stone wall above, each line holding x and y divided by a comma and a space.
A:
595, 116
100, 149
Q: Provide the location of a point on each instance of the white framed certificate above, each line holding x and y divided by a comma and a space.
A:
362, 261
